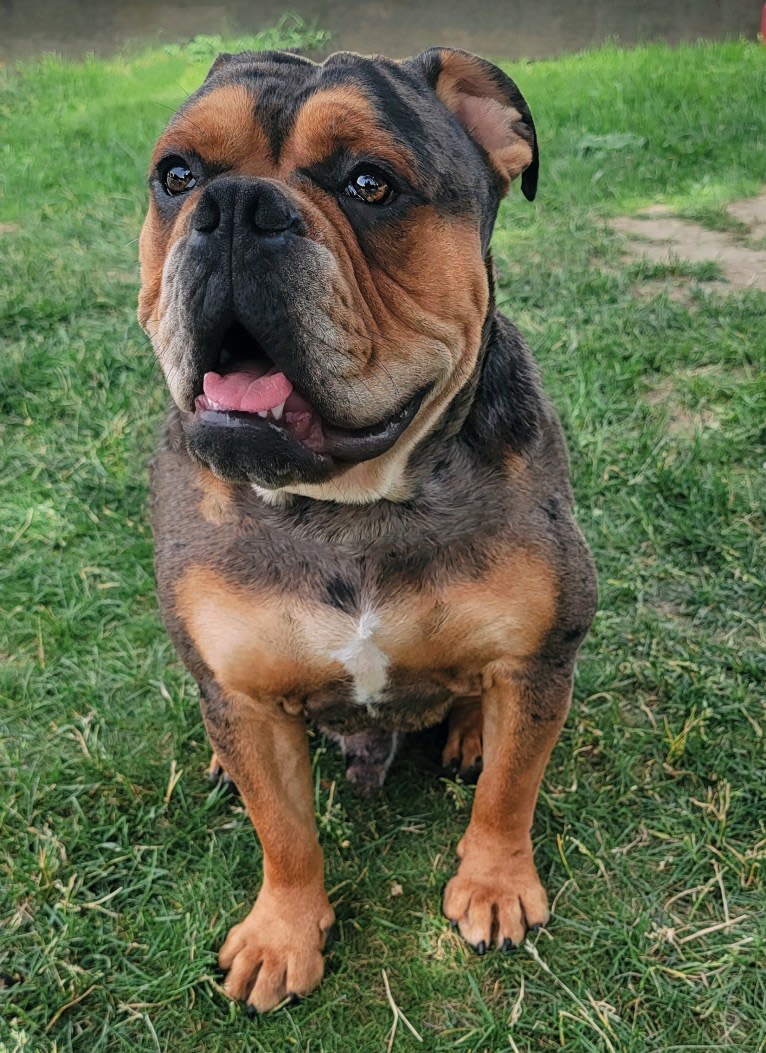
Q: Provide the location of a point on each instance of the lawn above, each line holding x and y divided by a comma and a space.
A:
121, 869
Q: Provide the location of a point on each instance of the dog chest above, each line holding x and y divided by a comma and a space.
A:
362, 656
424, 644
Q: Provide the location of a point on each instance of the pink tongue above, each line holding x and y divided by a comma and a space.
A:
246, 391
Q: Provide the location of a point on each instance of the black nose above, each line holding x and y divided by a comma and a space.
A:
253, 206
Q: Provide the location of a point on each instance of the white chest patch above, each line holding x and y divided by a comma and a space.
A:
364, 660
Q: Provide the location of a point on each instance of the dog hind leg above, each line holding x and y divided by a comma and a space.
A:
462, 753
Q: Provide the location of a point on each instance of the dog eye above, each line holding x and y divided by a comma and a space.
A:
369, 186
178, 179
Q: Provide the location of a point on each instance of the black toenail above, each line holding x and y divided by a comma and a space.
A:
481, 948
508, 945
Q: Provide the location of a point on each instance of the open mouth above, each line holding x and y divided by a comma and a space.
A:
250, 387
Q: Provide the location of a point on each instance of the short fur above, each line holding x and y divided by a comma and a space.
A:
419, 561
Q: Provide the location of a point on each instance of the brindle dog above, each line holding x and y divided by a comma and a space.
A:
361, 500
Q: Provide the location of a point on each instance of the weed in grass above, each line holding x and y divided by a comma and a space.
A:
122, 869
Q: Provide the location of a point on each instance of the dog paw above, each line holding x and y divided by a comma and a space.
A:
276, 952
462, 753
218, 776
496, 904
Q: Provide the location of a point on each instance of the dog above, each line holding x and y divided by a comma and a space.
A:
360, 500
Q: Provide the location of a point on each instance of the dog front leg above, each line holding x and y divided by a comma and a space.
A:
496, 895
277, 950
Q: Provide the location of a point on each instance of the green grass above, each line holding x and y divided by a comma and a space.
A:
120, 869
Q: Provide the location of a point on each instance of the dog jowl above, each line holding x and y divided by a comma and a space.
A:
360, 501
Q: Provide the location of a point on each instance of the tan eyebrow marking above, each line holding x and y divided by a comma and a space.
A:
222, 127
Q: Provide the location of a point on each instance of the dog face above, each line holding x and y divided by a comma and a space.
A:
314, 259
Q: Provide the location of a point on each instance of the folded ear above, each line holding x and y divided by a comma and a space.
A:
491, 109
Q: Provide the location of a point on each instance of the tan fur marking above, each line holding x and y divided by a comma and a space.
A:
215, 502
153, 245
250, 641
222, 127
506, 612
340, 117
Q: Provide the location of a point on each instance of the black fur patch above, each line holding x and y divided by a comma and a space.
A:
506, 411
340, 593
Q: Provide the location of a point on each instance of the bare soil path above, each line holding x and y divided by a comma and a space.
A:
656, 234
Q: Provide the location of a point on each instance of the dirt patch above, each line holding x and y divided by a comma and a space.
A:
656, 234
682, 422
679, 290
752, 212
694, 399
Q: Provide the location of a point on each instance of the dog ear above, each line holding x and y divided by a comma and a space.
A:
491, 109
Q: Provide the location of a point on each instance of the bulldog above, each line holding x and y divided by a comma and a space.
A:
361, 500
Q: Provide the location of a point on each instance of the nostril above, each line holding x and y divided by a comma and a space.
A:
207, 215
232, 204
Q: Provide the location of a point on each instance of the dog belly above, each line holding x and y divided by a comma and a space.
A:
406, 704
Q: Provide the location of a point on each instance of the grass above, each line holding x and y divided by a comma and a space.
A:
121, 870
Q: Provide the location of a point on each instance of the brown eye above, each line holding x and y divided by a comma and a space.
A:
369, 186
178, 179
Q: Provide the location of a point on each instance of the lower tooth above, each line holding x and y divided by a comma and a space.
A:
277, 411
263, 413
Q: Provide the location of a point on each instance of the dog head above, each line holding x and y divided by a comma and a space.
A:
314, 272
